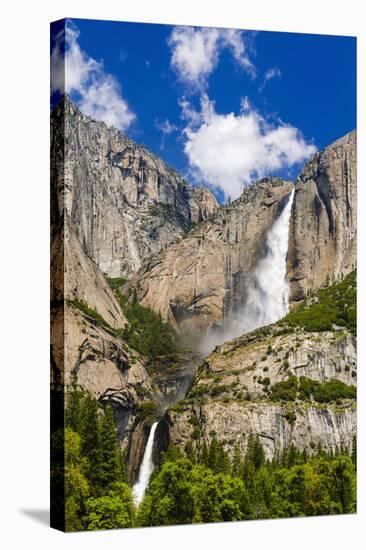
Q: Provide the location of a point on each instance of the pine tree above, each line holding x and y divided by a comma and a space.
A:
344, 485
255, 452
222, 460
123, 465
190, 453
74, 400
204, 454
90, 436
109, 470
291, 456
354, 451
213, 455
237, 465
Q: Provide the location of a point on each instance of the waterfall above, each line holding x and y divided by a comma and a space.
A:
268, 289
146, 468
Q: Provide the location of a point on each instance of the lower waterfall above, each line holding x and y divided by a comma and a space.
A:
146, 468
268, 289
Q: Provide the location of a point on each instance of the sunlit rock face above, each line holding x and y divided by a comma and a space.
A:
205, 281
323, 232
233, 424
202, 281
230, 398
124, 202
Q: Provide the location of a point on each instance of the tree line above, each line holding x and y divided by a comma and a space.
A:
198, 485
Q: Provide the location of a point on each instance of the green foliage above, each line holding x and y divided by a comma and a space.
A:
114, 510
354, 450
184, 493
76, 484
218, 459
146, 409
335, 305
90, 312
194, 491
73, 412
332, 391
285, 390
202, 485
307, 389
95, 469
116, 282
109, 470
90, 436
147, 333
255, 452
290, 417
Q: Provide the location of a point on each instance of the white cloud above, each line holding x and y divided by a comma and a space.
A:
234, 39
166, 128
195, 52
273, 72
230, 151
98, 93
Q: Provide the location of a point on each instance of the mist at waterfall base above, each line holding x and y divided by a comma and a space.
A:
267, 287
146, 468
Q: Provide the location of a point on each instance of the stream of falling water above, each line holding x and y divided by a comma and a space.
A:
268, 289
267, 302
146, 468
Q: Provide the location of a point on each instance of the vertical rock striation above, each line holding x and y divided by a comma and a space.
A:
124, 202
323, 230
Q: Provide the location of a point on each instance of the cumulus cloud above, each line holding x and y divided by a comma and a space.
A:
273, 72
97, 93
195, 52
229, 151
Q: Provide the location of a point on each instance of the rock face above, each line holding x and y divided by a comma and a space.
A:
240, 365
103, 364
124, 202
85, 343
201, 280
231, 395
322, 244
76, 277
112, 203
233, 424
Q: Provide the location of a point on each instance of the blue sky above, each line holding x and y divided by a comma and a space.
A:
222, 107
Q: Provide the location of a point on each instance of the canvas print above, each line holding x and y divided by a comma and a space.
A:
203, 275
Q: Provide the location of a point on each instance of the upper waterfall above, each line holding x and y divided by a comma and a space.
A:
146, 468
268, 289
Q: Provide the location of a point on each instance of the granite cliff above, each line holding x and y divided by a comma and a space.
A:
124, 202
201, 281
287, 383
323, 233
